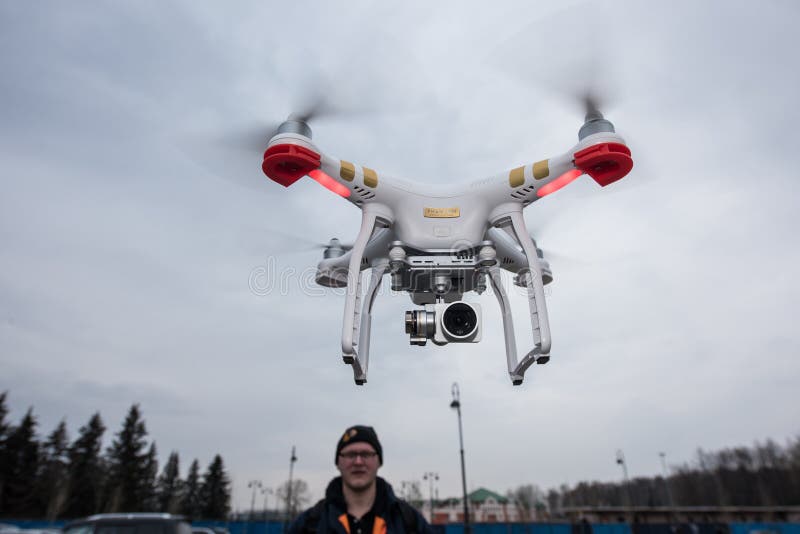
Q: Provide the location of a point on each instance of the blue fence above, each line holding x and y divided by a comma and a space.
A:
765, 528
245, 527
275, 527
611, 528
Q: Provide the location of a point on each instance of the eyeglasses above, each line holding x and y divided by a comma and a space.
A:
364, 455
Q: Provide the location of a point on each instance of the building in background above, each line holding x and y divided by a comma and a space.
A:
485, 506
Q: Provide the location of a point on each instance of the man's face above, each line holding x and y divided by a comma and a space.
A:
358, 463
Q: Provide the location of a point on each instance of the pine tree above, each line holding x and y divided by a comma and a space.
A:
4, 464
52, 484
86, 470
215, 492
149, 496
129, 465
3, 414
170, 486
22, 455
191, 505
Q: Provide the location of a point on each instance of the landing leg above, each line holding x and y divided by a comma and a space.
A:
361, 361
352, 309
540, 323
515, 370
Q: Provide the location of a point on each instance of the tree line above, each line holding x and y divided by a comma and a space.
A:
61, 479
765, 474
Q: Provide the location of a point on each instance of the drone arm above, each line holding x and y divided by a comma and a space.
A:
292, 155
603, 156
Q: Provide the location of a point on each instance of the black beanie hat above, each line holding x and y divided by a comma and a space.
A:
357, 433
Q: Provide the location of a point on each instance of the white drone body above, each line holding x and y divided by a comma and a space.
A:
438, 243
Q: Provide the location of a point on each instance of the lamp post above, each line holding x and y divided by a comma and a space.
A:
255, 484
292, 460
663, 457
265, 492
430, 476
621, 461
457, 405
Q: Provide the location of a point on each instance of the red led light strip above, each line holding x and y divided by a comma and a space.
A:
329, 183
558, 183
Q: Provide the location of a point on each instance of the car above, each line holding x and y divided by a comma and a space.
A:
134, 523
210, 530
6, 528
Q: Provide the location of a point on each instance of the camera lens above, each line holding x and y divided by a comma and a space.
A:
460, 319
420, 323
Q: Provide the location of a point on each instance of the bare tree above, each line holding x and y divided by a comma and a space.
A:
299, 496
527, 498
411, 491
554, 503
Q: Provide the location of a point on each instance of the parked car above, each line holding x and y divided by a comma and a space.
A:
210, 530
138, 523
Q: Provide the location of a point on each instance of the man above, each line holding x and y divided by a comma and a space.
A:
359, 501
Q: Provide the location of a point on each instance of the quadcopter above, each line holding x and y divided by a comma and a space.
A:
439, 242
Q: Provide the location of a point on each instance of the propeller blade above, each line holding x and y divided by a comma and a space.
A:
241, 146
591, 104
251, 138
316, 106
543, 54
586, 74
562, 259
308, 96
307, 245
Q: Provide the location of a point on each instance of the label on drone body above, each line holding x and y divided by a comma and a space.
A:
441, 213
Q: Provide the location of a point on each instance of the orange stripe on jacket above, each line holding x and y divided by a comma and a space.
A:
345, 523
379, 526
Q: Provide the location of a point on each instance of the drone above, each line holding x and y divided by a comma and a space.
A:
438, 243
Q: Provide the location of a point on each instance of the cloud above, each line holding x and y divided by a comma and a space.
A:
129, 241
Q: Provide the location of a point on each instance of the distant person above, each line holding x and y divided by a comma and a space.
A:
359, 501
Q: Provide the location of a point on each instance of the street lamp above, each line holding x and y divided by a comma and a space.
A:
255, 484
430, 476
457, 405
621, 461
663, 456
292, 460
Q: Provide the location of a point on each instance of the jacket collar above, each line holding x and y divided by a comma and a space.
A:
384, 496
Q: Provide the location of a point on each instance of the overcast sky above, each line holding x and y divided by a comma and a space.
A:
129, 230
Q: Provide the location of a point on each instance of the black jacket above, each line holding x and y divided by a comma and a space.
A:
392, 515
